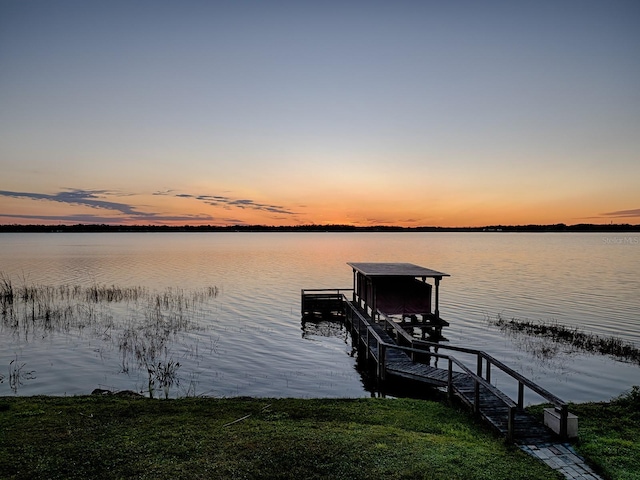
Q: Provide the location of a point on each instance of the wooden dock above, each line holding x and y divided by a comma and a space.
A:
394, 353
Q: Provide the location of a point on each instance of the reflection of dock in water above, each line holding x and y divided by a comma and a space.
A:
324, 327
392, 314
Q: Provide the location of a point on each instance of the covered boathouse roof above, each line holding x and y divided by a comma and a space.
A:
375, 269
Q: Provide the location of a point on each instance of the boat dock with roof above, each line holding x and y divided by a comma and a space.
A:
392, 313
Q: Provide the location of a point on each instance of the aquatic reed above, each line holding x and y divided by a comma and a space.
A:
149, 348
64, 306
113, 293
6, 294
588, 342
143, 323
17, 375
6, 288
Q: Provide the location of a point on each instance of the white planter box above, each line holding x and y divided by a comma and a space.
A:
552, 420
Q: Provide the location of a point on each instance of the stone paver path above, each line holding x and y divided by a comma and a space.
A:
562, 457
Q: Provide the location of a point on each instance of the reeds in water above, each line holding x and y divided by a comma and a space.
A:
587, 342
113, 293
143, 323
64, 306
6, 294
149, 347
17, 374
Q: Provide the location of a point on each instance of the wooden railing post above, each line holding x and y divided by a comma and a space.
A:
450, 380
382, 353
520, 395
511, 423
488, 375
479, 367
366, 338
476, 401
564, 421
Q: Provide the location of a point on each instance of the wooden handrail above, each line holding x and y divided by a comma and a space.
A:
380, 354
382, 346
337, 291
490, 360
524, 381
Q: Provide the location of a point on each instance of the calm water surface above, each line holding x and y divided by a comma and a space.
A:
249, 340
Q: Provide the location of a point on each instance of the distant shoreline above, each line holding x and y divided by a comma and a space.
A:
91, 228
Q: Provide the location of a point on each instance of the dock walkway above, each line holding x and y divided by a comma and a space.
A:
390, 347
395, 353
392, 360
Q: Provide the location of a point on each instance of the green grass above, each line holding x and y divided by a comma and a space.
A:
609, 434
113, 437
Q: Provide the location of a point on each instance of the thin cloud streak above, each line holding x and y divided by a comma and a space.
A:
94, 199
228, 202
127, 213
80, 218
69, 218
88, 198
623, 213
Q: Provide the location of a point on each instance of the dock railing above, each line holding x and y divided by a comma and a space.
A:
482, 376
327, 299
376, 349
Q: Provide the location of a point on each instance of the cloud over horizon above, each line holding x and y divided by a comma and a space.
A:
623, 213
97, 199
228, 202
74, 196
127, 213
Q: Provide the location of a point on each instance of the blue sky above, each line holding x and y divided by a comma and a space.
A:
413, 113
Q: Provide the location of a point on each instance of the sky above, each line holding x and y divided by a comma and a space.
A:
413, 113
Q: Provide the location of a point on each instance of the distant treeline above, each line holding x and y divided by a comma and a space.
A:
90, 228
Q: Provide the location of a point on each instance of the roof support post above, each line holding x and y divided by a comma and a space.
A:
354, 286
374, 303
436, 311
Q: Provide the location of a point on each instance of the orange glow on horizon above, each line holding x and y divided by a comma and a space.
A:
377, 209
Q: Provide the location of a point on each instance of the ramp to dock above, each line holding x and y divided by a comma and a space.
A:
394, 353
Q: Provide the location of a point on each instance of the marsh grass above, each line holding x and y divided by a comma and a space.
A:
149, 349
144, 324
112, 437
560, 334
65, 306
6, 289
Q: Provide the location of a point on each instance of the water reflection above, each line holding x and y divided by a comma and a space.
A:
576, 279
314, 327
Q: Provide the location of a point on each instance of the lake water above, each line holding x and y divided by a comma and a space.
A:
248, 338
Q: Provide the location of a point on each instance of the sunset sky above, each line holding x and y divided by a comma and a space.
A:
442, 113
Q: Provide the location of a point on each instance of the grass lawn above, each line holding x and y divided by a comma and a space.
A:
610, 435
114, 437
